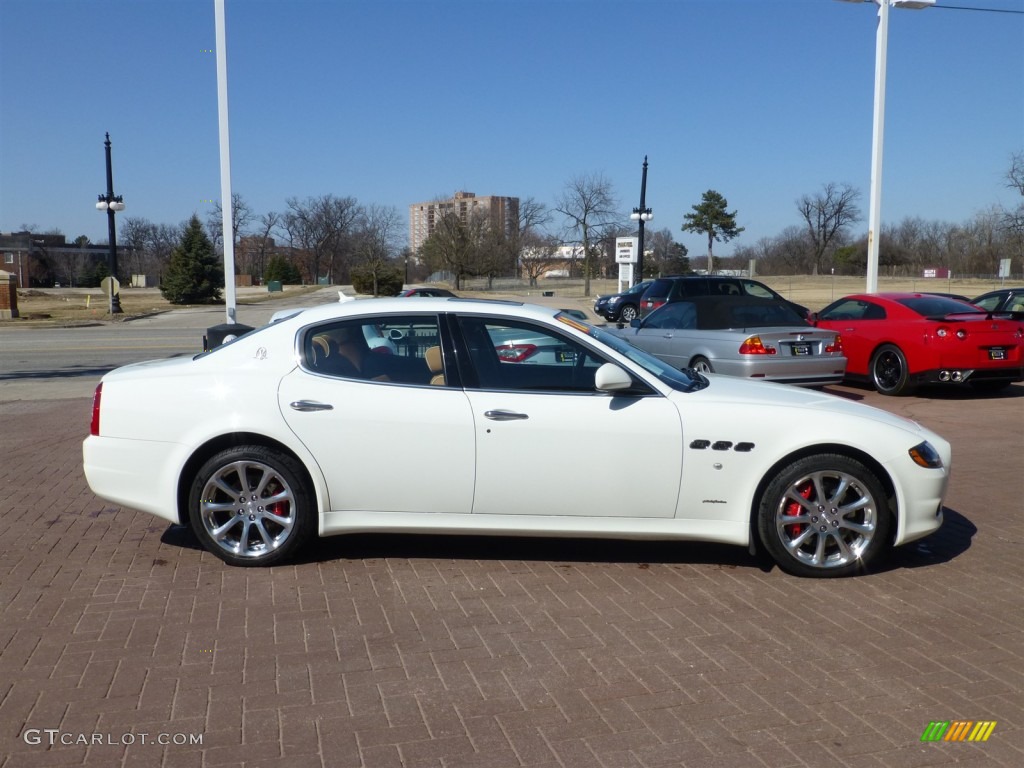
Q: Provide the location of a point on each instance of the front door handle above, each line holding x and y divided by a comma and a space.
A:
505, 415
310, 405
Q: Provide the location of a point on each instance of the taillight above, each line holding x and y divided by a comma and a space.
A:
754, 346
94, 426
836, 345
515, 353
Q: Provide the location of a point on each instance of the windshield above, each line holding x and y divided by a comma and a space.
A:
683, 381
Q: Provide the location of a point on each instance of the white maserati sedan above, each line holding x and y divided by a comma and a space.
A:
482, 417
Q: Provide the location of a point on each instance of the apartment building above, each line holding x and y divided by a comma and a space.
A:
503, 213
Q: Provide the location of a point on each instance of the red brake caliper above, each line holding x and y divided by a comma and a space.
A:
793, 509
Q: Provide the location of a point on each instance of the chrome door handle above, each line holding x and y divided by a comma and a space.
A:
505, 415
310, 405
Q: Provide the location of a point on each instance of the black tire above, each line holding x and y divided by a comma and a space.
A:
824, 516
890, 374
268, 514
702, 365
627, 313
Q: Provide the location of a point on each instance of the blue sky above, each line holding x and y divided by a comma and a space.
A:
399, 101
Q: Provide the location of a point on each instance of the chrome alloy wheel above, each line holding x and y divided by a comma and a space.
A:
827, 519
247, 508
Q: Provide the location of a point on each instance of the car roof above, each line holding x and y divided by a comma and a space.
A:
397, 305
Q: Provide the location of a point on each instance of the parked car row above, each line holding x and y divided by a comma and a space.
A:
893, 341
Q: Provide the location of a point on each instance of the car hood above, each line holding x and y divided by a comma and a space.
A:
737, 393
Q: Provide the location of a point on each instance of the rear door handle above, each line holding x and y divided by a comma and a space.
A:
505, 415
310, 405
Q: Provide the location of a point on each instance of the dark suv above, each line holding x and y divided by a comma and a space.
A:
622, 306
665, 290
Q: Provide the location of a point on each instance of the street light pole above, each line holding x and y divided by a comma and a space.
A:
642, 215
111, 203
878, 132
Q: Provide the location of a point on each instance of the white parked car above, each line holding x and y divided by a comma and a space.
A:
297, 430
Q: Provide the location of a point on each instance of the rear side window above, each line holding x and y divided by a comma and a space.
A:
754, 288
852, 309
690, 287
398, 349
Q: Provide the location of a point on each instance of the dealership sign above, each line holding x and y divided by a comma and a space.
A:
625, 250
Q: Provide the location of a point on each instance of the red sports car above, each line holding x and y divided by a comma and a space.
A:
897, 341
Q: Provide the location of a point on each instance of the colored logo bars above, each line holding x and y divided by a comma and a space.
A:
958, 730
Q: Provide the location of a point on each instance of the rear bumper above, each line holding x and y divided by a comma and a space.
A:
139, 474
955, 375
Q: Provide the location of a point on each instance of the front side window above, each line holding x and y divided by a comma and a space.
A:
518, 355
396, 349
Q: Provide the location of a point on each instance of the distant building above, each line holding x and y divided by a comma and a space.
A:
503, 213
48, 260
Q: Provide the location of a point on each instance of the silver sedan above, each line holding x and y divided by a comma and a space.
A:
740, 336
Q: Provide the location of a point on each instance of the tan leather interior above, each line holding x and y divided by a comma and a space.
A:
436, 365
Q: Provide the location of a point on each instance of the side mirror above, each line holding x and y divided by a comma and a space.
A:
812, 318
610, 378
635, 322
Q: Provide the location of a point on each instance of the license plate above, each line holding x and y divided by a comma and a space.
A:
801, 349
997, 353
565, 356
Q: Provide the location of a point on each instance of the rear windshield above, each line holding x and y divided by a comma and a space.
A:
937, 306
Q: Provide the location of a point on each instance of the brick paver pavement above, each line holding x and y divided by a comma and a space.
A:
117, 633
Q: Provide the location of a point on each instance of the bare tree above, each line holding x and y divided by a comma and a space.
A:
667, 257
136, 235
254, 250
827, 214
1013, 220
458, 245
377, 239
589, 206
320, 227
537, 255
241, 216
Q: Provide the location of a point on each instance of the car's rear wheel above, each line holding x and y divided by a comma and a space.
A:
701, 365
251, 505
890, 374
628, 313
824, 516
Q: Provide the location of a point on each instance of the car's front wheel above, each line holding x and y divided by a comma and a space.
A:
824, 516
628, 313
890, 373
251, 505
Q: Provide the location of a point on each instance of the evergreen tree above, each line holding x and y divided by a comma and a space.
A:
194, 274
280, 268
712, 219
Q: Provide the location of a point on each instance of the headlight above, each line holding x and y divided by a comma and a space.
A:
925, 455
